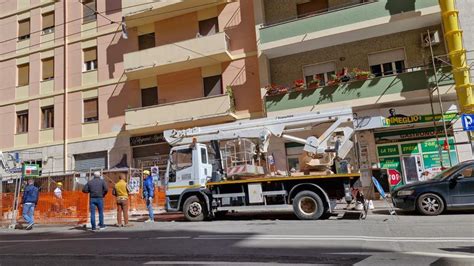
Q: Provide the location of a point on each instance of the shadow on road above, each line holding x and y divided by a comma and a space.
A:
467, 249
414, 213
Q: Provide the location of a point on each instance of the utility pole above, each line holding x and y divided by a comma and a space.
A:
65, 112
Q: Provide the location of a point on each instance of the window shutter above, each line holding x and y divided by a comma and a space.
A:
90, 54
23, 75
319, 68
86, 161
48, 68
90, 109
24, 28
88, 11
386, 57
48, 20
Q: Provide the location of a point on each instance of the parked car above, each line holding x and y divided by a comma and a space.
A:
452, 189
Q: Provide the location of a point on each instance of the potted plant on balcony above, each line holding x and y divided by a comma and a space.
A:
360, 74
314, 83
298, 85
273, 89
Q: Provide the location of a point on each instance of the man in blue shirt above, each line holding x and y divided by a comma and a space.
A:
29, 201
149, 194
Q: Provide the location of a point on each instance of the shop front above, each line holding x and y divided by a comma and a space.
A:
150, 151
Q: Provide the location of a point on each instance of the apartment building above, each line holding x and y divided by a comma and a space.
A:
389, 46
132, 69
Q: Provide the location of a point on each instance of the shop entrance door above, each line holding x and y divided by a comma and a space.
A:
411, 168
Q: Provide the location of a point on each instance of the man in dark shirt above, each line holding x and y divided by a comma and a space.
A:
97, 189
29, 201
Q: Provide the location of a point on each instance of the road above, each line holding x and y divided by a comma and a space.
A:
250, 239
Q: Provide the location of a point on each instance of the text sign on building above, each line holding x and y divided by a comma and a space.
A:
468, 122
148, 139
414, 119
31, 170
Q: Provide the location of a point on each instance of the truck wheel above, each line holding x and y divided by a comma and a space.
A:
430, 204
307, 205
194, 209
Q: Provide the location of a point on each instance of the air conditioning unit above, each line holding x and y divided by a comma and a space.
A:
433, 36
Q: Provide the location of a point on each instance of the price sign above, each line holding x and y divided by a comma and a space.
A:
394, 176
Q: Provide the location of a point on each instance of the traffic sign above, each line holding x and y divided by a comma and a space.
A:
467, 122
394, 177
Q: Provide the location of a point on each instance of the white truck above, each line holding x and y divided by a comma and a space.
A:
205, 180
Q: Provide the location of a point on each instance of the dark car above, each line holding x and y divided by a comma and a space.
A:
452, 189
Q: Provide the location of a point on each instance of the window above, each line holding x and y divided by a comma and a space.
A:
323, 72
208, 27
47, 117
293, 152
48, 22
468, 171
387, 63
146, 41
311, 7
149, 97
212, 85
182, 159
23, 74
22, 122
203, 156
24, 29
91, 110
90, 59
88, 11
48, 68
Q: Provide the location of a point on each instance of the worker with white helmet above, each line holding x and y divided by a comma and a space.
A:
58, 191
97, 189
149, 194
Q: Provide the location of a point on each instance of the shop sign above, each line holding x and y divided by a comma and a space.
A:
433, 146
31, 170
396, 136
414, 119
148, 139
410, 148
394, 176
432, 161
391, 163
387, 150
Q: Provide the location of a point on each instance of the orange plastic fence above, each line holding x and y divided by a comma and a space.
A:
73, 208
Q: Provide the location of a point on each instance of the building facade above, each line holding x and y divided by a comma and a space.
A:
131, 70
385, 59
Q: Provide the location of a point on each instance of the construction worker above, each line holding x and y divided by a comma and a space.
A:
121, 192
149, 194
29, 201
58, 195
97, 189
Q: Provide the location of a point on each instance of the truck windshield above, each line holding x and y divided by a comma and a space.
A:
181, 159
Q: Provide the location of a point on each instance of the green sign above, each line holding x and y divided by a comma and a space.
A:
387, 150
410, 148
391, 163
414, 119
407, 134
31, 170
431, 160
433, 146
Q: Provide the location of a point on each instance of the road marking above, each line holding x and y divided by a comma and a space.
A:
63, 239
219, 263
173, 237
437, 255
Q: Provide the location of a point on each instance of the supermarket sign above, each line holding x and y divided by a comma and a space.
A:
414, 119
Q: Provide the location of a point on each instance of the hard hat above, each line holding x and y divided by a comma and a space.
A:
59, 184
96, 174
146, 172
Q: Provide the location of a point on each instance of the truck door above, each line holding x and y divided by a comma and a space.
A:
181, 176
203, 166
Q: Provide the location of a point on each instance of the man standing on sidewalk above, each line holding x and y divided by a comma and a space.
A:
29, 201
97, 189
121, 192
148, 195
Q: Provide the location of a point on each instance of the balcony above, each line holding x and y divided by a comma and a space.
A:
347, 24
140, 12
402, 87
201, 111
178, 56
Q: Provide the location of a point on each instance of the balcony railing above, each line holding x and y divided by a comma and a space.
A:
198, 52
363, 92
215, 109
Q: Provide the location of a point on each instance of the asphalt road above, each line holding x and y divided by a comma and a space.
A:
251, 239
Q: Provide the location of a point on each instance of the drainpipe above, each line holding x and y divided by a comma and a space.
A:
65, 112
457, 55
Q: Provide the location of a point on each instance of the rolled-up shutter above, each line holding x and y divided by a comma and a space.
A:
23, 75
90, 54
91, 110
48, 20
48, 68
86, 161
24, 28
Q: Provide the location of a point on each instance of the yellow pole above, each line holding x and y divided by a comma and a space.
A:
457, 55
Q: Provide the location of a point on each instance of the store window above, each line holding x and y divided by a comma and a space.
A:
387, 63
146, 41
149, 96
208, 27
47, 114
323, 72
212, 85
48, 22
22, 122
23, 74
91, 110
88, 11
90, 59
24, 29
48, 68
